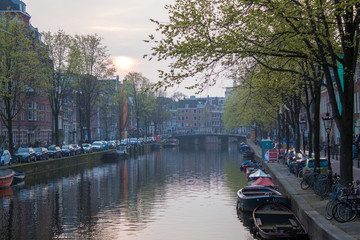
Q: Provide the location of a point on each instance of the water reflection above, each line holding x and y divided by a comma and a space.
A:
172, 193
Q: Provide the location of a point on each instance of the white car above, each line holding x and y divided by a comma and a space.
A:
87, 148
5, 158
97, 146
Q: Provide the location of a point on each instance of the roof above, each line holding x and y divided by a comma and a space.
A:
9, 5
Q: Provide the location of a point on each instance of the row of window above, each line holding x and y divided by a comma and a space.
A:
36, 112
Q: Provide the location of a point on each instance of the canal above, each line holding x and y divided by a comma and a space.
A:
173, 193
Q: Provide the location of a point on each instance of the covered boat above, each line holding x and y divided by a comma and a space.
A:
247, 164
265, 182
250, 197
6, 177
258, 174
276, 221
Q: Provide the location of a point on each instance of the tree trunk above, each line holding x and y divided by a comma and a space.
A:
56, 127
10, 136
317, 99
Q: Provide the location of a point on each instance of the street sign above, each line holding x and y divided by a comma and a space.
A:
273, 155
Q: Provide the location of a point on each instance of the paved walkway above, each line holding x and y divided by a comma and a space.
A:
309, 207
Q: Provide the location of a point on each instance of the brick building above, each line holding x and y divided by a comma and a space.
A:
33, 123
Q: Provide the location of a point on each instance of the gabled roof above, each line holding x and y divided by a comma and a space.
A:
15, 6
11, 5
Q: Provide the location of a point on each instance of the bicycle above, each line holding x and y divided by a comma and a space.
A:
347, 207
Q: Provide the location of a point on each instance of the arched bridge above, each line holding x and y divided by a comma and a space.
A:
208, 138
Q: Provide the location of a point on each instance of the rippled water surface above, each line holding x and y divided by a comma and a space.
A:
168, 194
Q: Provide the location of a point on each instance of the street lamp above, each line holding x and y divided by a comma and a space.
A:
328, 124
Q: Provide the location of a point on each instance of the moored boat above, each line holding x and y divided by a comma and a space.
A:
250, 197
171, 143
258, 173
18, 177
276, 221
6, 177
265, 182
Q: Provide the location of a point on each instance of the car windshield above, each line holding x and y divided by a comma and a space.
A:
37, 149
96, 143
323, 164
52, 148
23, 150
65, 147
311, 164
86, 145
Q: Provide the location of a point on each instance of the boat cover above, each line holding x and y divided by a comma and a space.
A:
259, 173
264, 181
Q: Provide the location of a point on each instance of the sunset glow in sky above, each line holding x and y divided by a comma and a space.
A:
122, 24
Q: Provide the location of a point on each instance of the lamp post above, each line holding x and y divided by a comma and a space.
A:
328, 124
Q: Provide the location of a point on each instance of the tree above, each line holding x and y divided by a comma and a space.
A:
20, 70
58, 45
210, 37
141, 101
161, 109
88, 63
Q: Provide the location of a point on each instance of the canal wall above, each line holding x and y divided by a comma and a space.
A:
89, 159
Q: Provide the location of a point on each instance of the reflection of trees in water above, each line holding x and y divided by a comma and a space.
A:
90, 200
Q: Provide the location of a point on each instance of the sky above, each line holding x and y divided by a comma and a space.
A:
123, 25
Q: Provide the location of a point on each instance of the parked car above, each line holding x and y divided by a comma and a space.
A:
25, 155
77, 149
105, 145
133, 141
112, 144
5, 158
41, 153
124, 142
87, 148
310, 163
97, 146
54, 151
67, 150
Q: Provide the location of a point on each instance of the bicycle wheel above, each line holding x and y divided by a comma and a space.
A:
329, 209
304, 184
344, 212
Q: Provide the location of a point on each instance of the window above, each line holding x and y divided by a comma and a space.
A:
22, 115
31, 112
194, 110
194, 118
48, 113
35, 111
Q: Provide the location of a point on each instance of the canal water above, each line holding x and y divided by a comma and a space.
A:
174, 193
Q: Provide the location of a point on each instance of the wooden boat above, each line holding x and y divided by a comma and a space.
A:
171, 143
6, 177
18, 177
276, 221
120, 153
250, 197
